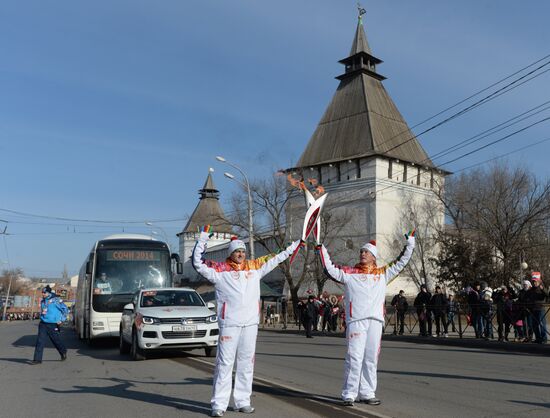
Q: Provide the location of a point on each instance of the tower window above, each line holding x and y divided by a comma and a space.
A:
358, 168
418, 177
404, 172
390, 169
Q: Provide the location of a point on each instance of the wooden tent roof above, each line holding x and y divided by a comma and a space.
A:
208, 211
362, 119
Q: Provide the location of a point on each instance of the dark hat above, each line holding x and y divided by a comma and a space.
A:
47, 289
311, 297
423, 286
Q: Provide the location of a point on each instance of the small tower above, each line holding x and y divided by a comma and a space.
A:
207, 212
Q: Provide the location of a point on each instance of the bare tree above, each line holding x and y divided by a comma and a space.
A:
272, 231
500, 214
16, 285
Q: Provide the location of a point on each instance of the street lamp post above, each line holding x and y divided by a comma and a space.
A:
165, 236
246, 184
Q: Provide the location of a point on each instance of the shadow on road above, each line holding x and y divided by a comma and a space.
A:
476, 378
17, 360
123, 389
540, 404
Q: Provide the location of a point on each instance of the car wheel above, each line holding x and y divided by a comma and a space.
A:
136, 352
210, 351
123, 346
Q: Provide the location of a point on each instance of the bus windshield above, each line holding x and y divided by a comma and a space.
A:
119, 273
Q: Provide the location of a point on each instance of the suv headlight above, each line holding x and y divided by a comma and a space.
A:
149, 320
212, 318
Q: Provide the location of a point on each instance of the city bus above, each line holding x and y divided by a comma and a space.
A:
116, 268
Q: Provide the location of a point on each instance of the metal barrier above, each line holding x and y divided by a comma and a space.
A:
473, 320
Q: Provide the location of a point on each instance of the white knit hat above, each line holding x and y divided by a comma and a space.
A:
371, 247
236, 244
527, 283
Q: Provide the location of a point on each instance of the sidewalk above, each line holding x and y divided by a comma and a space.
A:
468, 340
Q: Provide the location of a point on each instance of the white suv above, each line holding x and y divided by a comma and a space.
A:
168, 318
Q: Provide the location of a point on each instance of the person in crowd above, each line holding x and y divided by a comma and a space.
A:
421, 303
474, 306
525, 303
452, 311
300, 315
310, 315
365, 290
400, 304
498, 299
53, 312
284, 312
487, 314
237, 286
327, 312
439, 307
538, 296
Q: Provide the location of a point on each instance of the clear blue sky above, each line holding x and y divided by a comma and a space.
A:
114, 110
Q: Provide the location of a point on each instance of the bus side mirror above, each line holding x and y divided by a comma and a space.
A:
179, 268
88, 267
129, 307
210, 305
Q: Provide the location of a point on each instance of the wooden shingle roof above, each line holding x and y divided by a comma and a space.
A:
362, 119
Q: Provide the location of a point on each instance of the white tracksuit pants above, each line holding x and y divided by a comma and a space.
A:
364, 338
239, 342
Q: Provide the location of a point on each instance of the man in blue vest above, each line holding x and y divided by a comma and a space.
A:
52, 313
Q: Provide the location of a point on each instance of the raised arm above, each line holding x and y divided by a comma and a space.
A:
274, 260
199, 263
394, 268
332, 271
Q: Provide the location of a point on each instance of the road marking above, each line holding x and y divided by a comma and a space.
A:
324, 405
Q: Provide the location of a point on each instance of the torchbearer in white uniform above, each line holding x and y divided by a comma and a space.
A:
237, 284
365, 291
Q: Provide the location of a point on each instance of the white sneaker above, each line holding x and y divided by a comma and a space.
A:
216, 413
246, 409
445, 335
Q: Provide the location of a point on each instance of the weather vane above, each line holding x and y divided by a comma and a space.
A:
361, 10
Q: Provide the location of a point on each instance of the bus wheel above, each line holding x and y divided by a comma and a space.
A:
135, 352
123, 346
210, 351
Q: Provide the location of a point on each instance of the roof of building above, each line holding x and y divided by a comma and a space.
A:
208, 211
362, 119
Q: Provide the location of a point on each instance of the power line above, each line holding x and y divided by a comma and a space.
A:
502, 155
480, 102
58, 218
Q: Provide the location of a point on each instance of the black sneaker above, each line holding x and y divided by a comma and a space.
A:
63, 356
373, 401
34, 362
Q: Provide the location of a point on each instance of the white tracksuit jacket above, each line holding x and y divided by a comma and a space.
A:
365, 292
238, 299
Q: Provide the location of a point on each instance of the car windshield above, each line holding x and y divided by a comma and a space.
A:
152, 298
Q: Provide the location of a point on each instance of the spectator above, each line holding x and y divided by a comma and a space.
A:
400, 304
498, 299
421, 303
438, 304
310, 315
487, 315
538, 296
284, 307
474, 305
524, 302
452, 310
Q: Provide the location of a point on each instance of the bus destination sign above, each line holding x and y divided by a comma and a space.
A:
133, 255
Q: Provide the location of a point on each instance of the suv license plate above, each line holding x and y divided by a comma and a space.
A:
184, 328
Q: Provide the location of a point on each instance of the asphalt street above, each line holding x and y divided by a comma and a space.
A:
295, 377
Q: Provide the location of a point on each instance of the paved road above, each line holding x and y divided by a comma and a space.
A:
296, 377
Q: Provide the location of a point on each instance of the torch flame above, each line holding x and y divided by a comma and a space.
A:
299, 184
